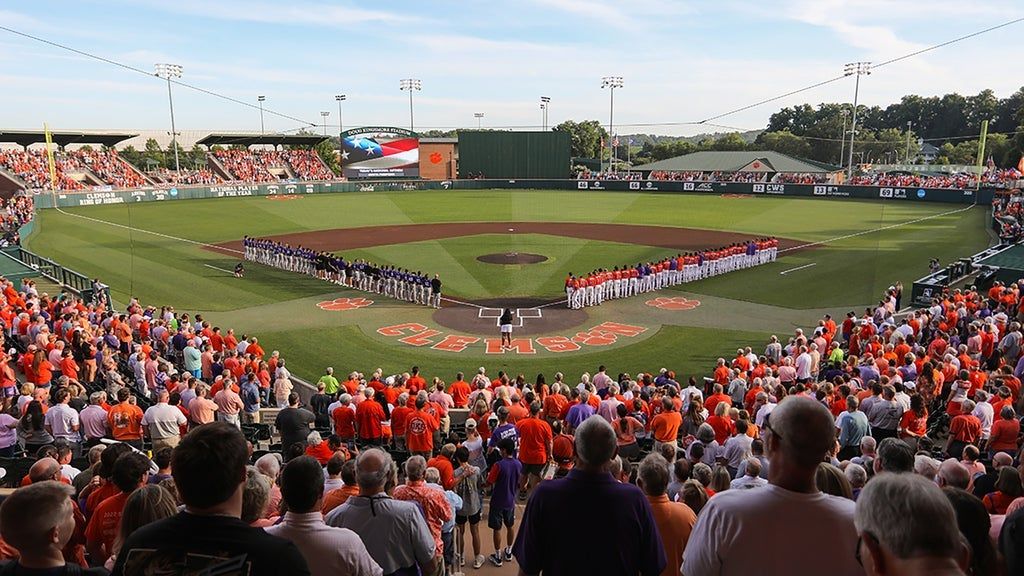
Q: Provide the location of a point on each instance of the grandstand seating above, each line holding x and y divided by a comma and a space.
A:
261, 165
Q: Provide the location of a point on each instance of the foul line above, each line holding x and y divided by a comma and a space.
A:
221, 269
162, 235
855, 234
784, 272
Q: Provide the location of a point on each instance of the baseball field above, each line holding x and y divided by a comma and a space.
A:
835, 256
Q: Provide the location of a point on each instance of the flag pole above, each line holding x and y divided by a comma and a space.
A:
49, 157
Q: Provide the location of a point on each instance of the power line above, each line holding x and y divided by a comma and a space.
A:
879, 65
152, 75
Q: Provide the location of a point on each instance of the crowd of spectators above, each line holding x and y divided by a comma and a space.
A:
33, 168
307, 165
254, 165
991, 177
1008, 214
185, 177
110, 168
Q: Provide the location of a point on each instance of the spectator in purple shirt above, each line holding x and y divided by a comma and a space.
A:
504, 478
580, 412
598, 508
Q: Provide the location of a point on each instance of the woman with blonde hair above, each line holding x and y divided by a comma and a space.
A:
832, 480
282, 388
720, 479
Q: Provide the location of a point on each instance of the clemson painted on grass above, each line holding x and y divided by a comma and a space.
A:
673, 303
418, 335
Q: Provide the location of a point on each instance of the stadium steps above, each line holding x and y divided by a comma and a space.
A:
9, 183
135, 169
215, 166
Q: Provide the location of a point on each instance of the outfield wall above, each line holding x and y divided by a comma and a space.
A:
70, 199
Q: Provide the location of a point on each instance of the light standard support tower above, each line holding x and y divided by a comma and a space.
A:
168, 72
340, 98
261, 99
611, 82
842, 136
545, 103
410, 84
858, 69
324, 115
479, 119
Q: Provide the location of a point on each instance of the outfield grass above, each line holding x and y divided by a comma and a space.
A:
166, 269
172, 267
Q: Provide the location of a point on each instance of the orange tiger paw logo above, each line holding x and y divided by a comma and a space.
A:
673, 303
342, 304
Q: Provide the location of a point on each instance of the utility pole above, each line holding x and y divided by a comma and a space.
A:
858, 69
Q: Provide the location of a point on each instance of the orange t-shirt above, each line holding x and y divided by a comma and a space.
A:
416, 383
665, 426
534, 438
419, 431
97, 496
460, 393
344, 418
105, 521
337, 497
125, 422
369, 416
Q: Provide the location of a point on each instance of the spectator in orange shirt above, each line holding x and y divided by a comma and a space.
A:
125, 420
131, 470
459, 389
445, 466
419, 431
535, 438
349, 488
665, 426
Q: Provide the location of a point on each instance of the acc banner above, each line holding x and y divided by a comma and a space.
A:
380, 152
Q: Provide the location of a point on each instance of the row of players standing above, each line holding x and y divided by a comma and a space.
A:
391, 281
623, 282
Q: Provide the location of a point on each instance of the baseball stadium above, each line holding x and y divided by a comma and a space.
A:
763, 302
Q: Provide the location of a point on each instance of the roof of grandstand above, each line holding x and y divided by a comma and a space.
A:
244, 139
742, 161
63, 138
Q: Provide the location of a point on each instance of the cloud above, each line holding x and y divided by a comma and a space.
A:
622, 15
294, 13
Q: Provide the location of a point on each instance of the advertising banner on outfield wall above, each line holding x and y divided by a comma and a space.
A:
67, 199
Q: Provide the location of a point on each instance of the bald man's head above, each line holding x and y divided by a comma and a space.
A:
373, 468
1001, 459
804, 430
44, 469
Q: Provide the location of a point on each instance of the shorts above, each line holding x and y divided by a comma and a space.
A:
506, 328
496, 517
534, 469
472, 519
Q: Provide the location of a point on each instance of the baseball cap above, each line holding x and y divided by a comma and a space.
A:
470, 424
502, 412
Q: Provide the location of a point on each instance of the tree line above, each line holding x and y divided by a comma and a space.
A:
951, 123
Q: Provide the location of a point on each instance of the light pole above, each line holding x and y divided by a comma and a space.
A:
340, 98
410, 84
909, 126
842, 137
479, 119
324, 115
611, 82
859, 69
169, 71
545, 103
261, 99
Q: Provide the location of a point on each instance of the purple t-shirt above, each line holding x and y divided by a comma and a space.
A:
504, 476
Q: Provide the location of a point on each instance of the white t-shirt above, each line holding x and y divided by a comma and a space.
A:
741, 532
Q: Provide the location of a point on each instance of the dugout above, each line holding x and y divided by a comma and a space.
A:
1004, 262
519, 155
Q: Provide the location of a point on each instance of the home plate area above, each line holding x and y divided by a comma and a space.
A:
520, 315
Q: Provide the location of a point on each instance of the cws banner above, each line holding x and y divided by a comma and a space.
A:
380, 152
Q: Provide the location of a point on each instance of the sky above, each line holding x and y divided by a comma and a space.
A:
681, 61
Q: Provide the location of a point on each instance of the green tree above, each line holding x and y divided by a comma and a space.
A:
153, 154
585, 137
730, 141
133, 156
197, 156
784, 142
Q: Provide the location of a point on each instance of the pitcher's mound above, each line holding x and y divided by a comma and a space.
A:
512, 258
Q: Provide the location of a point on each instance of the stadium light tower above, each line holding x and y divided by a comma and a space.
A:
842, 136
340, 98
324, 115
410, 84
261, 100
545, 103
168, 72
479, 119
611, 82
858, 69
